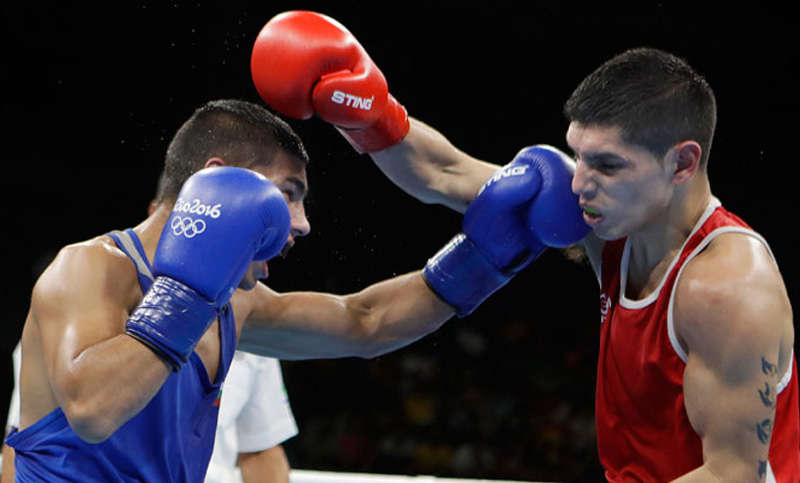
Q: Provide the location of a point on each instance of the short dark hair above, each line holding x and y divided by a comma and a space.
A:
655, 98
239, 132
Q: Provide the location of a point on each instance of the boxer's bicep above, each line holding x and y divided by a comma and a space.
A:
95, 373
75, 309
728, 319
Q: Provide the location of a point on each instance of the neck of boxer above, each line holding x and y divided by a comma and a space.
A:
149, 231
654, 248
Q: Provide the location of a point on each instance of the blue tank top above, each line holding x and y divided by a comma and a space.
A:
170, 440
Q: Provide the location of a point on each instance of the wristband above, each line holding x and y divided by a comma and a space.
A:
171, 320
462, 276
391, 128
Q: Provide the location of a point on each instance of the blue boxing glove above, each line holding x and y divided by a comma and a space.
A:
525, 207
224, 219
555, 217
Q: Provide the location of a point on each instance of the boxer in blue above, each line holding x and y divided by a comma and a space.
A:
130, 334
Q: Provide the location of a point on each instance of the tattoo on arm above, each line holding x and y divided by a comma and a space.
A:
767, 398
762, 469
768, 368
764, 430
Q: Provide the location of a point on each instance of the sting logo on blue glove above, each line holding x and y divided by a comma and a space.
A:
506, 172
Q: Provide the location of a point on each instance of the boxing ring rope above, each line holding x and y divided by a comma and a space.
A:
310, 476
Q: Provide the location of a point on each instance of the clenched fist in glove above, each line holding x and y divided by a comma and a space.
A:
305, 63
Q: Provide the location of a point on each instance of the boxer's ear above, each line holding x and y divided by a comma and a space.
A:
215, 161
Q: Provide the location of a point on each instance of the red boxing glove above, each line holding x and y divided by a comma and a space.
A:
304, 63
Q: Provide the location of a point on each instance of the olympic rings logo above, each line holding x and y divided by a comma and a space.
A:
186, 226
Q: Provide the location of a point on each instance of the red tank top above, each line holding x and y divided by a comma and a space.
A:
643, 431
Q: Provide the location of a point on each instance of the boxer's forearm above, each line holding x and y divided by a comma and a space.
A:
428, 167
379, 319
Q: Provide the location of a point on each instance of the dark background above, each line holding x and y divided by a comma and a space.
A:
93, 94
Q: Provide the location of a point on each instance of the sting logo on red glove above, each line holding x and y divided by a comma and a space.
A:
349, 100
